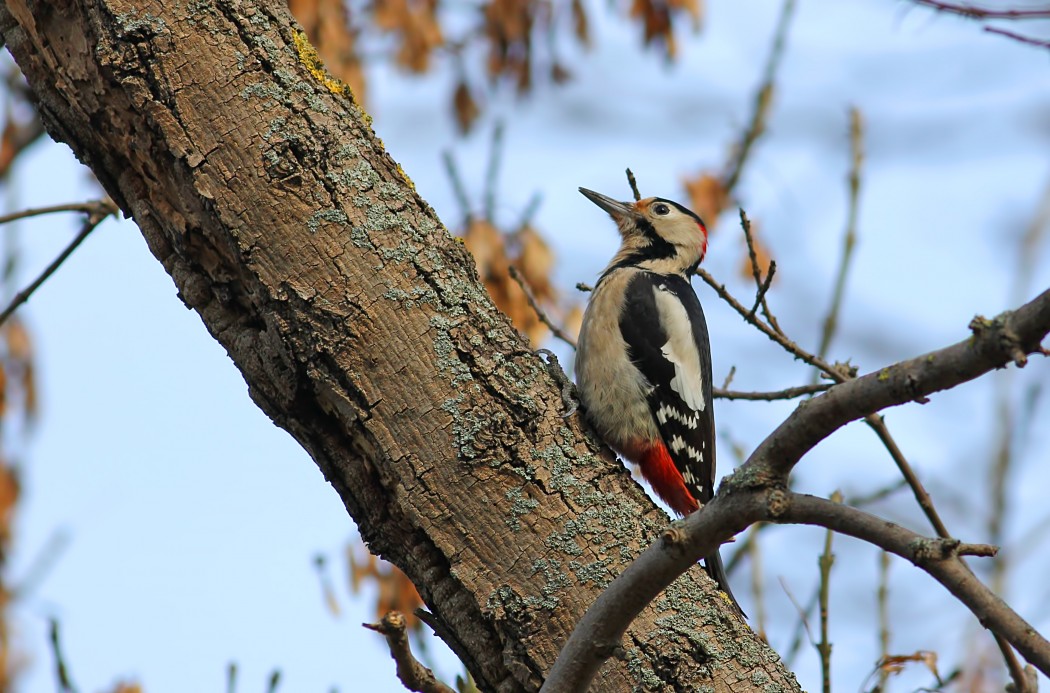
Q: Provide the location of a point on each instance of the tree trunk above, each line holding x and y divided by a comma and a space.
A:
360, 327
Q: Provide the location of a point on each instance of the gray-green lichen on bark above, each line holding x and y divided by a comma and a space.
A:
360, 327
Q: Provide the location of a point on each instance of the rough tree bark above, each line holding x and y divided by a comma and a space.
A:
360, 327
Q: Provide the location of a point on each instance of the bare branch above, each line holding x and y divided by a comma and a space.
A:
85, 207
849, 239
982, 13
65, 684
1030, 40
922, 497
882, 597
599, 632
786, 393
558, 332
634, 185
763, 99
991, 347
763, 289
492, 172
458, 189
826, 560
761, 286
410, 672
97, 212
755, 492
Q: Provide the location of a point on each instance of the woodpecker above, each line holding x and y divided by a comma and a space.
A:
643, 361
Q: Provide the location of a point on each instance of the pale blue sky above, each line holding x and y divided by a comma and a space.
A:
192, 521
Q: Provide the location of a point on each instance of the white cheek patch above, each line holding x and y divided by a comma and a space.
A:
680, 348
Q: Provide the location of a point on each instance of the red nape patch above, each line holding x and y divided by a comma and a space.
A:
660, 471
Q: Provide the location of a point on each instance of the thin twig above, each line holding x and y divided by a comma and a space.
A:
778, 337
275, 680
758, 600
729, 377
492, 173
231, 677
95, 216
882, 598
634, 185
458, 189
982, 13
826, 560
761, 287
531, 208
786, 393
762, 101
85, 207
877, 495
803, 619
558, 332
922, 497
413, 675
65, 683
849, 238
1030, 40
801, 628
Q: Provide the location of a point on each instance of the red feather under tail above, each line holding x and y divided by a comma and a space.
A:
660, 471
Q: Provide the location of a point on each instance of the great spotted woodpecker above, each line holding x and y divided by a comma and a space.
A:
643, 362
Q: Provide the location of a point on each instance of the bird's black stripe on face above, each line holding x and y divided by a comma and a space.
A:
683, 210
657, 249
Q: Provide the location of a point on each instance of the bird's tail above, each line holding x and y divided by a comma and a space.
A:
714, 568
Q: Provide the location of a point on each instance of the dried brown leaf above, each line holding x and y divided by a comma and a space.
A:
581, 25
389, 15
123, 687
485, 242
560, 74
465, 107
396, 591
536, 262
707, 197
19, 345
894, 664
29, 391
695, 8
10, 490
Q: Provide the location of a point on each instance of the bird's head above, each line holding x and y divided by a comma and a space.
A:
657, 234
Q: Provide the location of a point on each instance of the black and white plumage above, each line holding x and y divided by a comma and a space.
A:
664, 328
643, 360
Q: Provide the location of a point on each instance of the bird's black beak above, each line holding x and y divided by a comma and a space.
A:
616, 209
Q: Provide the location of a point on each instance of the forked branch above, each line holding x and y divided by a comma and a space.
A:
757, 492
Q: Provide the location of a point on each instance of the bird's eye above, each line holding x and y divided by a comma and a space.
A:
661, 209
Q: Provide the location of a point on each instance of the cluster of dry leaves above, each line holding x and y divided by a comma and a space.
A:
18, 406
709, 197
517, 37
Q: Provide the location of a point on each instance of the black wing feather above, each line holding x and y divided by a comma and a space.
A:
645, 338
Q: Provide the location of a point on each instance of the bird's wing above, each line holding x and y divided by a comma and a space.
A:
666, 335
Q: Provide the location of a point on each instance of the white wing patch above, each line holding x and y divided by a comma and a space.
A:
666, 411
677, 445
680, 350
